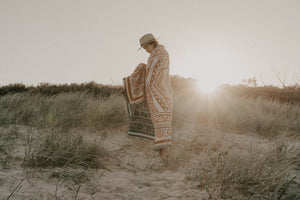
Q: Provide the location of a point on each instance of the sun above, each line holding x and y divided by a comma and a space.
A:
206, 87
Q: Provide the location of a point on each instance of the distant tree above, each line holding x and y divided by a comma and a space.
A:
250, 81
261, 80
281, 76
296, 78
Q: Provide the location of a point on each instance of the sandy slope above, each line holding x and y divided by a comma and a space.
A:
134, 171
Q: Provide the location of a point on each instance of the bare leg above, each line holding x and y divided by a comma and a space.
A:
162, 152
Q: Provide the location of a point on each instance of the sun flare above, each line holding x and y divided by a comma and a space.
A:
206, 88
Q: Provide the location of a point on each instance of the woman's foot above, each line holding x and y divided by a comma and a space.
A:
163, 152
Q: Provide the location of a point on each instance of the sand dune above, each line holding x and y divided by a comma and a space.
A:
133, 170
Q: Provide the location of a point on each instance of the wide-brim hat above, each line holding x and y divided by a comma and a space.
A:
145, 39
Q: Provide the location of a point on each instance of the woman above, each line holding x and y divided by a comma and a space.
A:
151, 83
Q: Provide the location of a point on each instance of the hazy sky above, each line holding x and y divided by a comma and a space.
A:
65, 41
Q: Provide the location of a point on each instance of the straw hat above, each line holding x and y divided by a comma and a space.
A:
145, 39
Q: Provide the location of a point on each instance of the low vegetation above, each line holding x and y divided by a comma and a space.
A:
212, 161
55, 149
62, 111
8, 138
251, 172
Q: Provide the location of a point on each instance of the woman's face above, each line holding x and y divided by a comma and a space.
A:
149, 47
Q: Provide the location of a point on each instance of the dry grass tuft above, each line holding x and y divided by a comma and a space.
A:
56, 149
7, 144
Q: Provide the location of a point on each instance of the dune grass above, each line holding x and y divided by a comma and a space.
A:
77, 110
56, 149
261, 116
254, 172
64, 111
7, 144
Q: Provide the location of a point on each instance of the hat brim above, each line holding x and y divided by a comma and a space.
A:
147, 43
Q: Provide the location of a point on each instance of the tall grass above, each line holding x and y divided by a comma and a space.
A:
64, 111
8, 138
250, 173
78, 110
262, 116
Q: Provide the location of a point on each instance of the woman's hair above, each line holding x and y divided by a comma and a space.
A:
155, 42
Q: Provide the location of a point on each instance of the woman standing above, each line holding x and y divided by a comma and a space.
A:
151, 82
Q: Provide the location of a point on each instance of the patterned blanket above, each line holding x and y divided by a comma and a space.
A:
148, 90
140, 122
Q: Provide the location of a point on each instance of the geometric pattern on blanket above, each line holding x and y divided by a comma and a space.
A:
140, 122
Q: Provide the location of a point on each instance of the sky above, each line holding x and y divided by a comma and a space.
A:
215, 42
